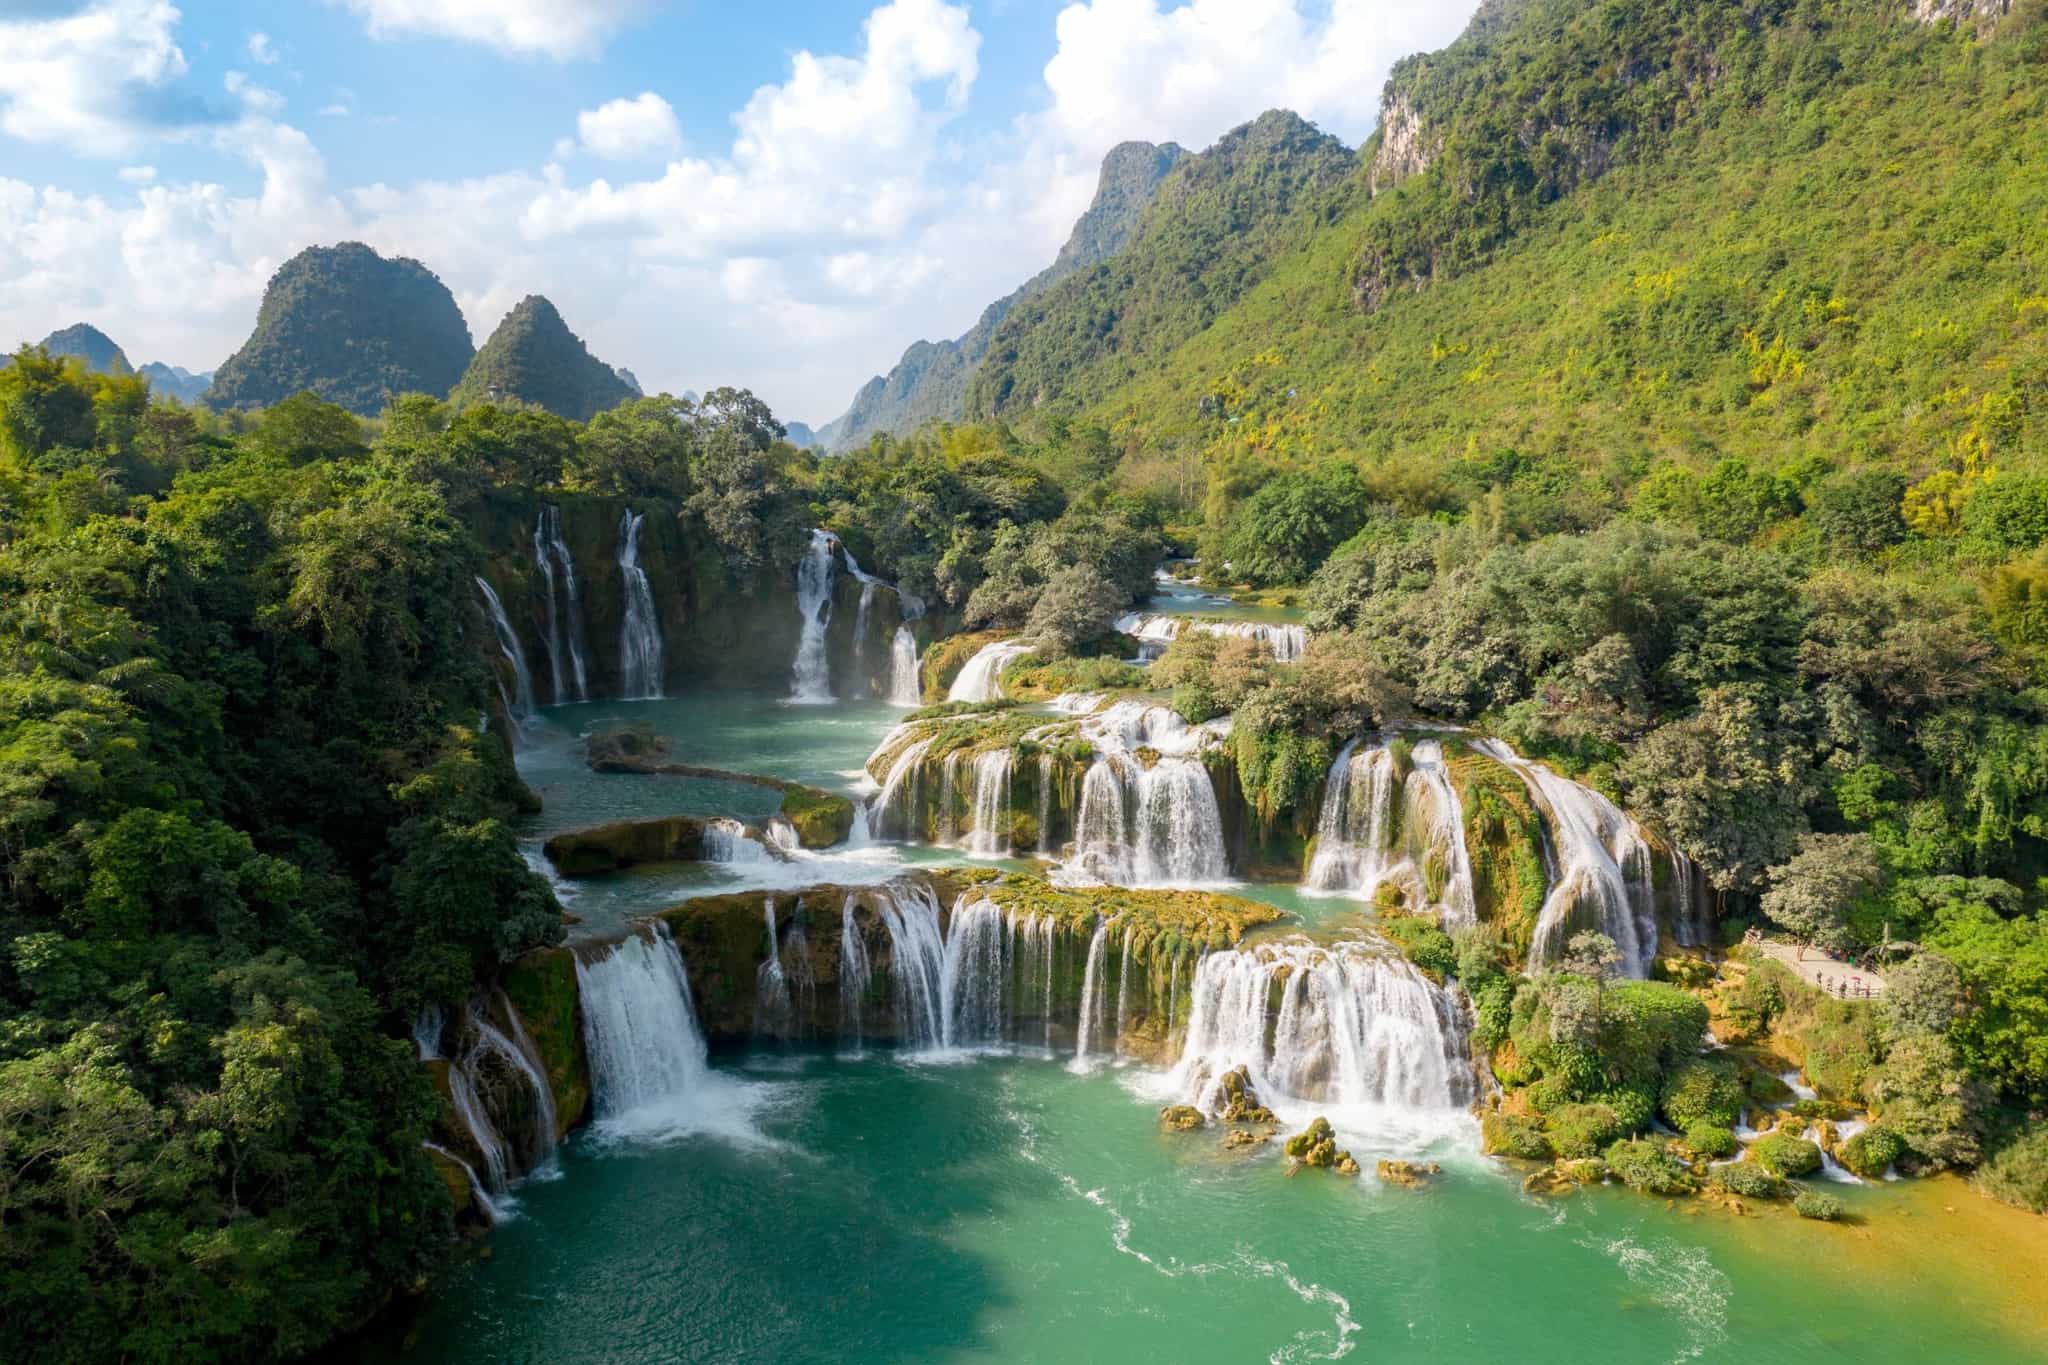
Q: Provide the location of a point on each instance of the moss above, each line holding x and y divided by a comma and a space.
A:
1510, 1135
1711, 1141
1426, 945
1820, 1207
626, 843
1039, 677
944, 660
1505, 836
542, 988
1871, 1152
1749, 1180
1784, 1155
821, 818
1645, 1164
1582, 1130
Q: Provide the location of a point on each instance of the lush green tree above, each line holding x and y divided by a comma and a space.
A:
1810, 894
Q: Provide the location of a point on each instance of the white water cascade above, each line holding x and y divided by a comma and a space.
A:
898, 797
855, 974
1150, 820
647, 1054
1088, 1033
1154, 632
1603, 878
971, 982
905, 687
980, 679
727, 841
774, 1012
565, 607
492, 1211
1379, 827
811, 677
1358, 1033
990, 835
519, 701
640, 648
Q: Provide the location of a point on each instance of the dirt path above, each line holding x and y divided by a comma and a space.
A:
1817, 969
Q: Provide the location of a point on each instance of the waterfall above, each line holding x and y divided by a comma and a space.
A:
990, 835
948, 822
811, 678
1154, 632
1045, 780
1378, 828
640, 1027
520, 1051
1356, 1026
1101, 851
980, 679
905, 689
490, 1145
773, 1010
1123, 987
488, 1056
975, 978
519, 702
855, 973
426, 1032
1087, 1036
901, 781
476, 1187
1603, 878
727, 841
917, 962
1179, 829
565, 619
860, 633
640, 649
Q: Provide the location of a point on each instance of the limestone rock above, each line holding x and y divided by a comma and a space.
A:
1407, 1174
1181, 1118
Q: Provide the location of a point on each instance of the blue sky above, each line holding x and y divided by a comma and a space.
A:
780, 195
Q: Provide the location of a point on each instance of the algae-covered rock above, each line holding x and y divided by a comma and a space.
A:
1316, 1145
1181, 1118
1785, 1155
1244, 1140
821, 818
1514, 1135
1407, 1174
626, 843
1240, 1101
542, 987
1345, 1165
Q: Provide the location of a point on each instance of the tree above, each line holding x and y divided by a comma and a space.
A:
1594, 956
1075, 606
1809, 895
1923, 994
45, 406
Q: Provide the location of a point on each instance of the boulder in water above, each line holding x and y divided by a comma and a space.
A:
1410, 1175
1244, 1140
1181, 1118
1316, 1145
1241, 1102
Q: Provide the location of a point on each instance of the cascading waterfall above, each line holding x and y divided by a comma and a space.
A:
1154, 632
521, 1052
1603, 878
1123, 985
640, 1028
990, 836
1356, 1027
727, 841
975, 978
640, 647
426, 1032
492, 1212
1087, 1037
488, 1057
917, 962
811, 677
905, 688
773, 1009
565, 617
1377, 827
1045, 780
518, 702
980, 679
855, 973
902, 782
860, 632
476, 1119
1102, 842
1147, 815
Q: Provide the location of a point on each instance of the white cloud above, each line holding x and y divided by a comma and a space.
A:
559, 29
91, 81
262, 51
848, 214
137, 175
624, 130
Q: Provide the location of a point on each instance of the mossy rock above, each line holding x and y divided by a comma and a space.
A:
1871, 1152
1645, 1164
1782, 1154
1814, 1204
1181, 1118
1512, 1135
1582, 1130
1749, 1180
626, 843
1409, 1175
543, 989
821, 819
1316, 1145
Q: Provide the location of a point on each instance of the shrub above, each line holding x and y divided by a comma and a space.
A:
2017, 1172
1701, 1093
1632, 1108
1492, 1002
1871, 1152
1643, 1164
1711, 1140
1510, 1135
1552, 1092
1427, 946
1749, 1180
1582, 1130
1783, 1154
1814, 1204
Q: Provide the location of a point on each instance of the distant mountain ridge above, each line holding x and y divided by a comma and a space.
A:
177, 382
352, 327
534, 358
930, 381
88, 343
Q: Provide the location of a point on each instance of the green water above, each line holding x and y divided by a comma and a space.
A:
1188, 599
1003, 1209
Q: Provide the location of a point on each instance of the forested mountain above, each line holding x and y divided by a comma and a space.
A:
176, 382
534, 358
930, 381
351, 326
85, 342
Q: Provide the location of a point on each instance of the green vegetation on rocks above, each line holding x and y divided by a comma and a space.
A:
626, 843
1782, 1154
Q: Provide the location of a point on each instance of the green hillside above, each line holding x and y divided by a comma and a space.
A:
85, 342
351, 326
534, 358
1629, 235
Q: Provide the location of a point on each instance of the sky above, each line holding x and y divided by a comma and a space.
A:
779, 195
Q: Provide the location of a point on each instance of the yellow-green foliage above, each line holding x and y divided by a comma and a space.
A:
542, 987
1198, 918
1505, 836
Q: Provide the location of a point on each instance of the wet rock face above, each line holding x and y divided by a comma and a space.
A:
1241, 1102
1181, 1118
1407, 1174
